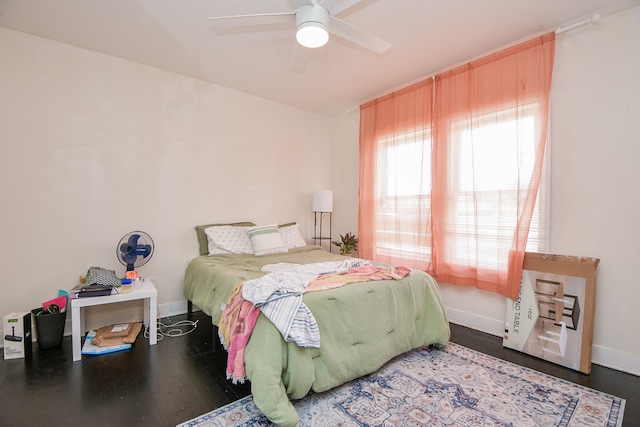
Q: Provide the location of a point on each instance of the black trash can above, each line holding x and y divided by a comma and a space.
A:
49, 327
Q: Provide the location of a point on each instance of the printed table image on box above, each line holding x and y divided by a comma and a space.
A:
553, 315
545, 321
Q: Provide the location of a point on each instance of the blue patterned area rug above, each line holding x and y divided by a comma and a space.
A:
455, 386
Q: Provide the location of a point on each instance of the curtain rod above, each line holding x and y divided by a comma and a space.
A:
593, 20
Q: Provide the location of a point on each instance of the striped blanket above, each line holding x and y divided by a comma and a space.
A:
279, 296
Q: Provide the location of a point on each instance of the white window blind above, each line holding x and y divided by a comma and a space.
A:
487, 170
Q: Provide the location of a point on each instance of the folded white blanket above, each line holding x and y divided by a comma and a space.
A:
279, 296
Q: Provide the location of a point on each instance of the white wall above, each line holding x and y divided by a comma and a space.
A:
595, 148
595, 206
93, 147
345, 174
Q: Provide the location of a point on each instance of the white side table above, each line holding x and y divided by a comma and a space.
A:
147, 292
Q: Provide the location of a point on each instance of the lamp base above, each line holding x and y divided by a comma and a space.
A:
318, 236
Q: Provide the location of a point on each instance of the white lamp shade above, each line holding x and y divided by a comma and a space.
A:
323, 201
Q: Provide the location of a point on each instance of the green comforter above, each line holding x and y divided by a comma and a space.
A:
362, 326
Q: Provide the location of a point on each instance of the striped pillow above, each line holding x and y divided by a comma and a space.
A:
266, 240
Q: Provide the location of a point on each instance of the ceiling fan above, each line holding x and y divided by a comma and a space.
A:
314, 21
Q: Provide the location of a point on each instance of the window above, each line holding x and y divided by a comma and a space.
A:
404, 196
488, 171
452, 169
487, 157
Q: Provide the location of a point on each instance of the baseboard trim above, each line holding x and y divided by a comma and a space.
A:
475, 322
620, 361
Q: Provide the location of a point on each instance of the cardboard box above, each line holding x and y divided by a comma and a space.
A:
17, 335
553, 316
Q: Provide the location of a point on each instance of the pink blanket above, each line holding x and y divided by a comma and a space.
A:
238, 320
365, 273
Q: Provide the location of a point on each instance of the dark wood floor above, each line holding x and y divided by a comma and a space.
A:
183, 377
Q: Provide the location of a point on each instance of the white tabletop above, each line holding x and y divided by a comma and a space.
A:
145, 291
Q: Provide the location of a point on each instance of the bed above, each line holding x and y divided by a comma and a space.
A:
362, 325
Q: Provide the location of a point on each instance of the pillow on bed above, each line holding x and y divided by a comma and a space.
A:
228, 239
291, 236
266, 240
203, 241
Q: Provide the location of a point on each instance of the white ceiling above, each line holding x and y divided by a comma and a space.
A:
428, 36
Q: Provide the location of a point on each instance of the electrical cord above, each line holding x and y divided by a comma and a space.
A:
172, 330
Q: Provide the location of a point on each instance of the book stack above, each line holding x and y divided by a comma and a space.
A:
82, 291
109, 339
90, 348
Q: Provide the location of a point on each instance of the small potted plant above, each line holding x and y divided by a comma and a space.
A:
347, 244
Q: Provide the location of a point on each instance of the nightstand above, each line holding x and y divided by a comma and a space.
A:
147, 292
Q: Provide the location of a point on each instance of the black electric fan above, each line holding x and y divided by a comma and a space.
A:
135, 249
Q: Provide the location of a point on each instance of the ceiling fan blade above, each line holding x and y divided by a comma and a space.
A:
336, 6
251, 20
358, 36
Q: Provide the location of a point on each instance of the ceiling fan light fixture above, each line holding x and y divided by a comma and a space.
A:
311, 24
312, 34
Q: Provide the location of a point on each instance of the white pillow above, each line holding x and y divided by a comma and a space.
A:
266, 240
291, 236
227, 239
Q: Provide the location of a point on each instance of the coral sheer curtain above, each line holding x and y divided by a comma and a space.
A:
388, 123
504, 87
